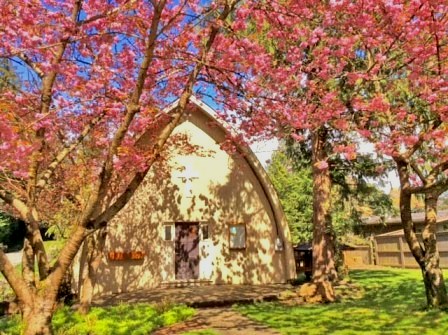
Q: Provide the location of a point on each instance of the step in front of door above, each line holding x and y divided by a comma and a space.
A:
185, 283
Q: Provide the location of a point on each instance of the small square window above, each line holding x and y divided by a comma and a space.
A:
237, 236
205, 231
167, 231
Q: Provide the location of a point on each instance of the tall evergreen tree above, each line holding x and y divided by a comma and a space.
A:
353, 196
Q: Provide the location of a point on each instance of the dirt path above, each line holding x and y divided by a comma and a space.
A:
223, 321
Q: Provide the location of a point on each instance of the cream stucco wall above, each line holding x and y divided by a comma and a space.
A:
226, 191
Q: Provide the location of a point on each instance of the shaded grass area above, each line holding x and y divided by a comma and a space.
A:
391, 302
138, 319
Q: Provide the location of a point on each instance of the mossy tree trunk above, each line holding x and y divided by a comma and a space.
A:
435, 288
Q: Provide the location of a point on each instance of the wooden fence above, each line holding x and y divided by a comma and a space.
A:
391, 249
357, 256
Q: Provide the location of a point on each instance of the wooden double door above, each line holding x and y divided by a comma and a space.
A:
187, 250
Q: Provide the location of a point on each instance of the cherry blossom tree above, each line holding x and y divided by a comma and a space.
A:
94, 74
400, 97
287, 82
372, 69
97, 74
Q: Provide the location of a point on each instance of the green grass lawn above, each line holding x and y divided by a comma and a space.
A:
390, 302
137, 319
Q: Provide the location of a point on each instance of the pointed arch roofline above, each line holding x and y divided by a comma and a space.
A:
279, 217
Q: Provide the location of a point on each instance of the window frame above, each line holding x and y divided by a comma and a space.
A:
170, 226
202, 225
231, 244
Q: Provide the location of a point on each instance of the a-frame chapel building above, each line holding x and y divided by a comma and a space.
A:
210, 217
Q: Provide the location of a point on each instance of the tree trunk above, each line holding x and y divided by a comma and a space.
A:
37, 320
435, 288
28, 264
38, 306
323, 264
38, 324
95, 245
406, 213
331, 253
436, 294
426, 255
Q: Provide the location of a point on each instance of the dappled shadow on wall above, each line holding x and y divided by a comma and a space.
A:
236, 199
138, 228
241, 201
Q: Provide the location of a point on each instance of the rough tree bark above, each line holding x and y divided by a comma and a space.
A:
37, 312
331, 251
323, 250
435, 288
37, 319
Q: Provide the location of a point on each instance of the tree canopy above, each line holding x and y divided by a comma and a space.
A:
94, 76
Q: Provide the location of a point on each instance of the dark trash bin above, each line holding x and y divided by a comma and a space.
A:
303, 255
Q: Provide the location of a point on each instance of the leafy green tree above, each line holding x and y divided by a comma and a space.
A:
295, 189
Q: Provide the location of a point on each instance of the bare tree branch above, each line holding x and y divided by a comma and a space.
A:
106, 14
16, 203
439, 168
418, 172
32, 65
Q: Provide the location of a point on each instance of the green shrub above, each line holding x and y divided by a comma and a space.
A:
10, 325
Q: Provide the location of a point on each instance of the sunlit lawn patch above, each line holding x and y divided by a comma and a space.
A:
138, 319
392, 303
